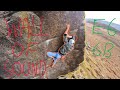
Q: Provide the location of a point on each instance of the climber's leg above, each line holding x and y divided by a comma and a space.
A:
51, 54
55, 55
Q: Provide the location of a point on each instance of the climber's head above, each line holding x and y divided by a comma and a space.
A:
72, 42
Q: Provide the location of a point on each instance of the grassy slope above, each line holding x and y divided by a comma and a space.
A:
98, 66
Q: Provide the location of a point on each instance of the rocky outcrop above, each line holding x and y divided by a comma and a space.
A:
49, 38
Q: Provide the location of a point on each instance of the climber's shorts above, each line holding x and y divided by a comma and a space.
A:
56, 55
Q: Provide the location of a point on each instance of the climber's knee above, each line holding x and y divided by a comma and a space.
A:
49, 54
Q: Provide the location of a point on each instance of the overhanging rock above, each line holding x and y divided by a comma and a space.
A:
53, 27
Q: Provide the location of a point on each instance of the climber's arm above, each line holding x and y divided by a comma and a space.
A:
67, 30
63, 58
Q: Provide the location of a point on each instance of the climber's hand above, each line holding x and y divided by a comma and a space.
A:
63, 58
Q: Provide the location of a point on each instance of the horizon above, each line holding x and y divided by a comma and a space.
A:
104, 15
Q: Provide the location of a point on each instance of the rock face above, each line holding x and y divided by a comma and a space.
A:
43, 32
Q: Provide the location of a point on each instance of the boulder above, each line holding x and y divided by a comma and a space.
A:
42, 32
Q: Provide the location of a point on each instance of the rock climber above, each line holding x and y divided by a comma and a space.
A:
69, 42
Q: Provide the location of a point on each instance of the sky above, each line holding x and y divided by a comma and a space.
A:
107, 15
